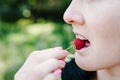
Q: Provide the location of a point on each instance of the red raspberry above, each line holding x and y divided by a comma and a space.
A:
79, 43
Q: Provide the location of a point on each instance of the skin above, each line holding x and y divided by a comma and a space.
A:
43, 65
95, 20
99, 22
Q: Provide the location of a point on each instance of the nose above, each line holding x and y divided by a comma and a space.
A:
73, 15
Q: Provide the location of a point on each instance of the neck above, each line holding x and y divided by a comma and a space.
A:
109, 74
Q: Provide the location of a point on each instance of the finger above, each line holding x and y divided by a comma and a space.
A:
48, 66
60, 54
54, 76
49, 50
48, 54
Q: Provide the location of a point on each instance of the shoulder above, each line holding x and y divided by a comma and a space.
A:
73, 72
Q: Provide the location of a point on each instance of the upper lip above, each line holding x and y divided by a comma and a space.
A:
82, 37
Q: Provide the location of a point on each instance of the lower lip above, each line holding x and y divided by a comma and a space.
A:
83, 50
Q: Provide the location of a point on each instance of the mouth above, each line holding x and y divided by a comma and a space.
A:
81, 42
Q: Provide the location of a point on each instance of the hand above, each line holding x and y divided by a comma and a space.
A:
43, 65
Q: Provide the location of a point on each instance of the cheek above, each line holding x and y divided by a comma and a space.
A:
103, 20
104, 34
105, 31
104, 27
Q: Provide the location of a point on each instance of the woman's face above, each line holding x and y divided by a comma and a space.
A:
99, 22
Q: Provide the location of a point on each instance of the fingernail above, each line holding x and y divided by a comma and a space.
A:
65, 52
57, 72
62, 62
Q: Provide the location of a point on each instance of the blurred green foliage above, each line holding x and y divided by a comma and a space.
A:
13, 10
29, 25
17, 42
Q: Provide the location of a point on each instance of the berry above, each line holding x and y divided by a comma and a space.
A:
79, 43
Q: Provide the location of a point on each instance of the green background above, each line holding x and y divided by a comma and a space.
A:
29, 25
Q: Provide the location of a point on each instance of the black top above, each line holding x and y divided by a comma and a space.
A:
73, 72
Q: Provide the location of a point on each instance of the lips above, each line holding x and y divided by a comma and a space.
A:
79, 43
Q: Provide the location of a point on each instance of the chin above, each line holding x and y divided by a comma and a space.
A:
87, 65
91, 66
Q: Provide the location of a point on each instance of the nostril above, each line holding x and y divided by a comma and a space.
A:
70, 19
67, 19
